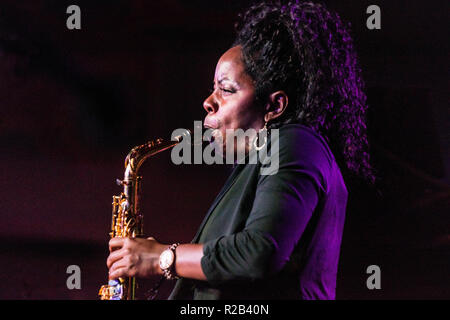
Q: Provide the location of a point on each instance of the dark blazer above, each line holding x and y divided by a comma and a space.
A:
274, 236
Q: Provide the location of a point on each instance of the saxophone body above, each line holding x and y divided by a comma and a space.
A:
127, 220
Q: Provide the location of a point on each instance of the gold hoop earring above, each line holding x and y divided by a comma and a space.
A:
256, 141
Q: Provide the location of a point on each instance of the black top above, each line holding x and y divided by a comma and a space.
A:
276, 235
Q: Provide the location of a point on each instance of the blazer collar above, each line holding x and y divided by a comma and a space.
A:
228, 183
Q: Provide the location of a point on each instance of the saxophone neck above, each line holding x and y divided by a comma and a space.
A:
140, 153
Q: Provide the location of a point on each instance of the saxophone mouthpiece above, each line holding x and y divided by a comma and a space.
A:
186, 134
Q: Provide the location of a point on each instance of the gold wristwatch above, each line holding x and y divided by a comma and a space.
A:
167, 262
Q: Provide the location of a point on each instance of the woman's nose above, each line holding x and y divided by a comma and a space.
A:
210, 105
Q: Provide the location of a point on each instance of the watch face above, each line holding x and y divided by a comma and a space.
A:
166, 259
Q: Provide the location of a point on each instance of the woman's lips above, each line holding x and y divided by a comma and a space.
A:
210, 123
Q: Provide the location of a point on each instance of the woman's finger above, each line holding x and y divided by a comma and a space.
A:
114, 257
116, 243
117, 273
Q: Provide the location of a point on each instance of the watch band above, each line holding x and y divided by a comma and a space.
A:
168, 273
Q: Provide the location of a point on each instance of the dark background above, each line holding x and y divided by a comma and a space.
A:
73, 103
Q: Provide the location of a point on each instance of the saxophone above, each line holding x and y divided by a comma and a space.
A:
127, 220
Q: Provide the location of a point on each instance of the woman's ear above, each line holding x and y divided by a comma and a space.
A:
277, 104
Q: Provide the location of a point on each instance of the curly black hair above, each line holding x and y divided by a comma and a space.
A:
307, 51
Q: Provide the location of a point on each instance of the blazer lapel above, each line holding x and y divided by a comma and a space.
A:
229, 182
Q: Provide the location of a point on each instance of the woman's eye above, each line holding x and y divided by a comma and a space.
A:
228, 90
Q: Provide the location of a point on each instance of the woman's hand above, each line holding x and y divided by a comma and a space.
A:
134, 257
